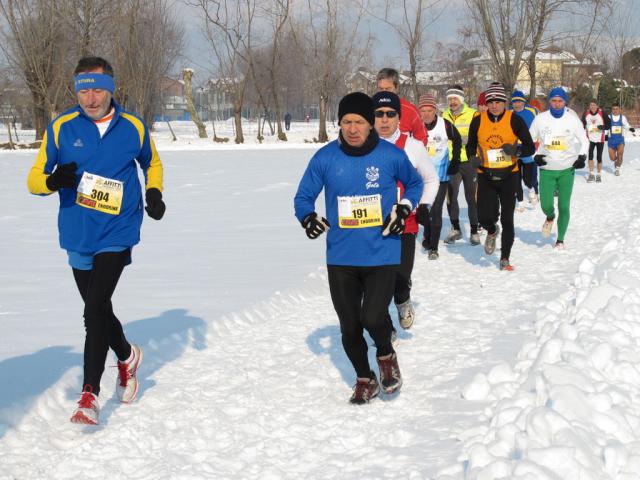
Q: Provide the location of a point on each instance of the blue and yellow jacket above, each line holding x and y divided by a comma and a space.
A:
74, 137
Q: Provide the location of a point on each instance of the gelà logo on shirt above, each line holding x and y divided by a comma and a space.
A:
78, 143
372, 174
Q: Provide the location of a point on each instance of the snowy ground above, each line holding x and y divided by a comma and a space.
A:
531, 374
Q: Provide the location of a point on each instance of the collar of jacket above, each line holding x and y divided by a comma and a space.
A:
369, 144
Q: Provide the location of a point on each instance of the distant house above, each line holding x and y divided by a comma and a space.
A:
435, 82
214, 101
554, 66
174, 104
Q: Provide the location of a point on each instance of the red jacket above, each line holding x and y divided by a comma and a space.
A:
410, 224
410, 121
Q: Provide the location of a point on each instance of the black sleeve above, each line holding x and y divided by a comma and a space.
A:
584, 119
521, 130
472, 141
607, 120
456, 139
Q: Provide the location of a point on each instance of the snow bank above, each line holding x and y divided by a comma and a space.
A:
570, 407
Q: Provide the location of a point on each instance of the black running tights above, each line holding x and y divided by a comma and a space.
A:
103, 329
361, 297
497, 198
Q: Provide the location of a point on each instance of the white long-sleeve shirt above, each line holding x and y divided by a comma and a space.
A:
561, 139
419, 158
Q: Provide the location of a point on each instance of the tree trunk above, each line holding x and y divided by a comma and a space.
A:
11, 145
532, 76
237, 117
322, 130
191, 108
171, 130
414, 80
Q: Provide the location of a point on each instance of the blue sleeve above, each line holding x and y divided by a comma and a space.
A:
411, 179
309, 188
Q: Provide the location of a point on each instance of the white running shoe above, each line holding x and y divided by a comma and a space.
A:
591, 178
490, 241
406, 314
520, 207
127, 386
598, 178
617, 172
88, 411
546, 227
559, 246
452, 236
533, 197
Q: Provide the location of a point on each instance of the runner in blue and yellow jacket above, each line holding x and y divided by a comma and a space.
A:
88, 155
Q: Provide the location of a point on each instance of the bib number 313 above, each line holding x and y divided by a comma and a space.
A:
100, 193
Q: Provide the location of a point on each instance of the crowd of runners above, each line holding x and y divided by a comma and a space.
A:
394, 167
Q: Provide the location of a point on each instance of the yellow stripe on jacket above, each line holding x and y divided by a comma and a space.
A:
154, 173
37, 179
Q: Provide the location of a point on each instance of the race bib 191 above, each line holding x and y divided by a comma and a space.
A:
498, 159
100, 193
616, 129
360, 211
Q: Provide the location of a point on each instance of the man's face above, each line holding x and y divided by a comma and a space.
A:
427, 113
355, 129
455, 103
556, 103
386, 85
518, 105
95, 102
387, 121
615, 110
593, 107
496, 107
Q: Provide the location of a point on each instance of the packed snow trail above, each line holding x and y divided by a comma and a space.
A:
238, 382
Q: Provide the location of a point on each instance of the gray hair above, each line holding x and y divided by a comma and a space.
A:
389, 74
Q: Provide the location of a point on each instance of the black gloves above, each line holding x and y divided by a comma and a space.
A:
528, 174
314, 227
632, 130
510, 149
63, 177
606, 137
475, 161
600, 127
454, 167
155, 206
394, 223
422, 215
580, 162
539, 159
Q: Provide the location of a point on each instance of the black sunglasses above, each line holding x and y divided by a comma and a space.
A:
388, 113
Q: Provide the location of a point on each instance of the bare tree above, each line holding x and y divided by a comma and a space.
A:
228, 27
410, 27
331, 48
279, 14
35, 47
187, 75
618, 30
505, 27
147, 41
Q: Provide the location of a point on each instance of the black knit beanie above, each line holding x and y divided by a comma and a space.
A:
386, 99
359, 103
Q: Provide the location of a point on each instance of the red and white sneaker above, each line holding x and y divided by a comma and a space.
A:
127, 386
546, 227
88, 410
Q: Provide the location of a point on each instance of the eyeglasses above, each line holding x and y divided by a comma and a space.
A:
388, 113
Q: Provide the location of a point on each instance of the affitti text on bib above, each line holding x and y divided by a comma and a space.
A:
360, 211
100, 193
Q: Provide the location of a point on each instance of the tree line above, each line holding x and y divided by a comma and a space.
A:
270, 54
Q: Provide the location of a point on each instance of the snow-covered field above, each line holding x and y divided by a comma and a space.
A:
533, 374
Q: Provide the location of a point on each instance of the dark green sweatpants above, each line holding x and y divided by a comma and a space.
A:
562, 180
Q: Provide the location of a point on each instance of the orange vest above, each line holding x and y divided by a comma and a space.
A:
491, 137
